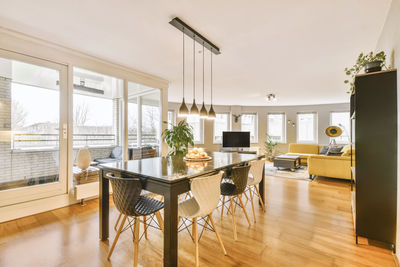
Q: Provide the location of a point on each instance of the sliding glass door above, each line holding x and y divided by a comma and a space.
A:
33, 128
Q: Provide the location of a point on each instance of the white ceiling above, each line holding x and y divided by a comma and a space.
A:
296, 49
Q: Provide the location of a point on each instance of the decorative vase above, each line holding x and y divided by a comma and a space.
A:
83, 159
373, 66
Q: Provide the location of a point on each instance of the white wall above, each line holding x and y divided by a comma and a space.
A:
389, 41
262, 111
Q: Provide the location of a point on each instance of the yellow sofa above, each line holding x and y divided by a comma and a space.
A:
323, 165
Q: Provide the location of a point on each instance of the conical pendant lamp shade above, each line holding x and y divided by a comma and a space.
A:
211, 113
183, 110
203, 112
194, 110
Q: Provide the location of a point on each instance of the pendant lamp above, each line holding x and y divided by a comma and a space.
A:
203, 110
211, 112
183, 110
194, 111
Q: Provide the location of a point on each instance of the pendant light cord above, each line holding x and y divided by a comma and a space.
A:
183, 63
203, 72
211, 76
194, 68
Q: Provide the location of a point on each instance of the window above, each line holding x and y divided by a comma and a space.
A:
307, 128
221, 124
341, 119
197, 125
144, 117
249, 124
96, 109
171, 118
277, 127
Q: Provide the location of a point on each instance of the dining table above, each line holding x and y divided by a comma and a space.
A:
168, 176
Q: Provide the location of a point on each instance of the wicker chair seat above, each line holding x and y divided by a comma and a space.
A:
228, 189
147, 205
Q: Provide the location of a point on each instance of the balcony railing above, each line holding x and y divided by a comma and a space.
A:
36, 141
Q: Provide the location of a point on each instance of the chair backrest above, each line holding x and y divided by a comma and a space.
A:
256, 169
206, 192
239, 178
126, 193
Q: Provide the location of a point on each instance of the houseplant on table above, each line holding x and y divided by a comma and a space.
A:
371, 62
178, 138
270, 148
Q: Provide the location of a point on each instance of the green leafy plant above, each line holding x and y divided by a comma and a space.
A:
362, 60
270, 146
179, 137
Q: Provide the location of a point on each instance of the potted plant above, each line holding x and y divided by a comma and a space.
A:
371, 62
179, 137
270, 148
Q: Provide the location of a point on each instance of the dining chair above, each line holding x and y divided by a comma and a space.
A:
206, 193
132, 204
255, 177
234, 190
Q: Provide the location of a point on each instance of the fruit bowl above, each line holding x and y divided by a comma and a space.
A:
197, 154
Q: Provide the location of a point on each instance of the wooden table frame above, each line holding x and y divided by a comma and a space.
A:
170, 191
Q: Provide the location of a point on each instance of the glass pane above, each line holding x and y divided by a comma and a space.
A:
97, 105
306, 127
276, 127
144, 121
195, 122
221, 124
341, 119
29, 128
249, 124
171, 119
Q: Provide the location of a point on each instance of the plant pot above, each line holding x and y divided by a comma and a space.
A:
373, 66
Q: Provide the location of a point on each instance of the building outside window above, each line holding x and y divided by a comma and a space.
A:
307, 128
341, 119
249, 124
221, 124
277, 127
198, 128
171, 119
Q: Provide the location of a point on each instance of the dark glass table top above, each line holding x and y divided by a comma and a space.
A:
173, 168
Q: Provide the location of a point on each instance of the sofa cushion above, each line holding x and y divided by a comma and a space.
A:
324, 150
303, 148
335, 151
116, 153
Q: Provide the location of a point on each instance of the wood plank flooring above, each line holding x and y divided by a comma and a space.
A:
306, 224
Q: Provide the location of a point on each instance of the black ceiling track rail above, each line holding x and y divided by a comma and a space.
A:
189, 31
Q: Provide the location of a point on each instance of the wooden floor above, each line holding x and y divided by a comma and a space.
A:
306, 224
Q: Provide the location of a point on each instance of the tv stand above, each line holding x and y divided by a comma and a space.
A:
242, 150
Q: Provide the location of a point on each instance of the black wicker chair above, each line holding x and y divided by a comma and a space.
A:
130, 203
234, 188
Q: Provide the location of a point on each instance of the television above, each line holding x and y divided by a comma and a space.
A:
235, 139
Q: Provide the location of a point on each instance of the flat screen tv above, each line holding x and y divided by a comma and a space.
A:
235, 139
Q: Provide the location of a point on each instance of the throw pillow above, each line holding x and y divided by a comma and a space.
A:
334, 151
324, 150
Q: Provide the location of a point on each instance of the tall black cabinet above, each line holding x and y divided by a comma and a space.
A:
374, 164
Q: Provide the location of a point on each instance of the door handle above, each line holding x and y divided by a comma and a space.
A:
65, 131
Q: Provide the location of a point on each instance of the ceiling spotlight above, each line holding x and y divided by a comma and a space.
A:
271, 98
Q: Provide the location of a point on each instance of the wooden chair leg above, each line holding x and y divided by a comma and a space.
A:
145, 227
223, 205
196, 241
116, 223
193, 226
136, 249
244, 210
160, 220
252, 204
216, 233
121, 226
259, 198
233, 219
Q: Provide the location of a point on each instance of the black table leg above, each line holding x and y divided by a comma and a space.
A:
261, 186
171, 228
104, 204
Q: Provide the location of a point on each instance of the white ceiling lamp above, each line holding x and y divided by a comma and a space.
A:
194, 110
203, 110
271, 98
183, 110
